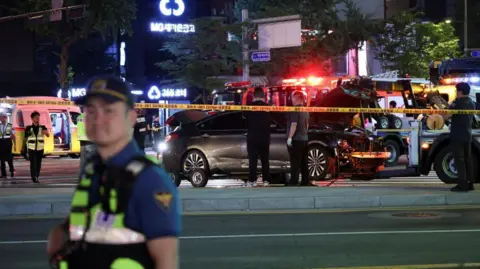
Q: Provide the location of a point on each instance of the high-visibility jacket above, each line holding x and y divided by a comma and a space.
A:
97, 233
81, 134
5, 132
35, 141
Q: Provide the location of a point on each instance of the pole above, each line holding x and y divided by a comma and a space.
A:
465, 30
246, 66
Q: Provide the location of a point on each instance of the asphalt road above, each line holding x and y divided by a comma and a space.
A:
293, 241
63, 172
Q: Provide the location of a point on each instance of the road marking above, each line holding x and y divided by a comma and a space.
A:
243, 236
417, 266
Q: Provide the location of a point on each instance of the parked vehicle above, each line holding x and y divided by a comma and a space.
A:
217, 145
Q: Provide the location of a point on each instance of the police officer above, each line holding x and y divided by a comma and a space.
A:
6, 132
140, 129
86, 147
461, 130
35, 141
125, 211
156, 134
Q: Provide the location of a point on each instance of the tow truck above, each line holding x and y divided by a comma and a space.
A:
429, 140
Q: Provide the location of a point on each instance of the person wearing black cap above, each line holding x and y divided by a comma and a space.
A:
461, 131
125, 211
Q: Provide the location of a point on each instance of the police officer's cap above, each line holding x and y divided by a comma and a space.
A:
109, 88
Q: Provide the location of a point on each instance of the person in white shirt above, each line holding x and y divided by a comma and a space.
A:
6, 132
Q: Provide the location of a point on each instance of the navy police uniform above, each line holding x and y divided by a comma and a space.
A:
118, 206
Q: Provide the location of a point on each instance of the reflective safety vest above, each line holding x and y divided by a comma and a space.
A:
5, 131
35, 141
81, 134
99, 229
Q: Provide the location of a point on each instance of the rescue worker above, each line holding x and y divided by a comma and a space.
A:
125, 210
86, 147
140, 129
35, 141
6, 155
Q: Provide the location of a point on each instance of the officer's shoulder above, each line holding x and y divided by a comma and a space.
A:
152, 174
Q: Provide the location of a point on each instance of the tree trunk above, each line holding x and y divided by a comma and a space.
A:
63, 71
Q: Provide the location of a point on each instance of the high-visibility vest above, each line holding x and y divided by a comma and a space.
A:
5, 132
35, 141
81, 134
102, 225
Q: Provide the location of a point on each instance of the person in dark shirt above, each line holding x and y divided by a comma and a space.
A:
258, 140
140, 129
297, 141
461, 130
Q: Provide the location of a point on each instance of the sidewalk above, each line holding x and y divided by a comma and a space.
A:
54, 201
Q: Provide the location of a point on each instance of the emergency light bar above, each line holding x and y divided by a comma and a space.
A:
238, 84
450, 81
310, 81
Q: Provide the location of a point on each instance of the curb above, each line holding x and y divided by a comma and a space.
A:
273, 203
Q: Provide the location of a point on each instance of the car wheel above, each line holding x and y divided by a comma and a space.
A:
317, 162
198, 178
176, 179
194, 160
394, 148
383, 122
444, 165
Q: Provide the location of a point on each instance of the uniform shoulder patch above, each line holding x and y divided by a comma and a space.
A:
164, 199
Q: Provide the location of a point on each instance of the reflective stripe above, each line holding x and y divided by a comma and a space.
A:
85, 182
80, 198
113, 236
125, 263
142, 130
113, 200
63, 265
76, 232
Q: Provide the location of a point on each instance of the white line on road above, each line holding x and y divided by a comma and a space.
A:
235, 236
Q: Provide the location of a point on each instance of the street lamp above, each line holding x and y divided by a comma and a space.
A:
448, 21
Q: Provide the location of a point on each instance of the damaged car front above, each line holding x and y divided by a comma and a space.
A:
350, 150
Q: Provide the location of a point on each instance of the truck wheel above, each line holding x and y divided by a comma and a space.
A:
397, 123
394, 148
383, 122
444, 166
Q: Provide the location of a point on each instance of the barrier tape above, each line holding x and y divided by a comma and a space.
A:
259, 108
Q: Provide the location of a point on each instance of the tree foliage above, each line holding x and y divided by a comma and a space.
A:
407, 45
106, 17
200, 57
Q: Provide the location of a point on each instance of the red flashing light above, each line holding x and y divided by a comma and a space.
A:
310, 81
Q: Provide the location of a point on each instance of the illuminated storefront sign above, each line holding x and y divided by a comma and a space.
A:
73, 93
171, 8
169, 11
161, 27
154, 93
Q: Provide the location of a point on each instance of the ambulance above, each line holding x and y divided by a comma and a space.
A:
59, 119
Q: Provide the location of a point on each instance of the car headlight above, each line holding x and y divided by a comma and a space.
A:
162, 147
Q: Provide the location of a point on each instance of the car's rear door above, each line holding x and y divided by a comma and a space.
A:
223, 140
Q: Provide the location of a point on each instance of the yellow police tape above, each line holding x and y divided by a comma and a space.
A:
258, 108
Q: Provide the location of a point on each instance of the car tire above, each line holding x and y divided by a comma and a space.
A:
198, 178
194, 159
394, 148
318, 162
176, 179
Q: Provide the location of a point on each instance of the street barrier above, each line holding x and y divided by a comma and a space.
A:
259, 108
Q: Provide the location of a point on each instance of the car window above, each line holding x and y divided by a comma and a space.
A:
229, 121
